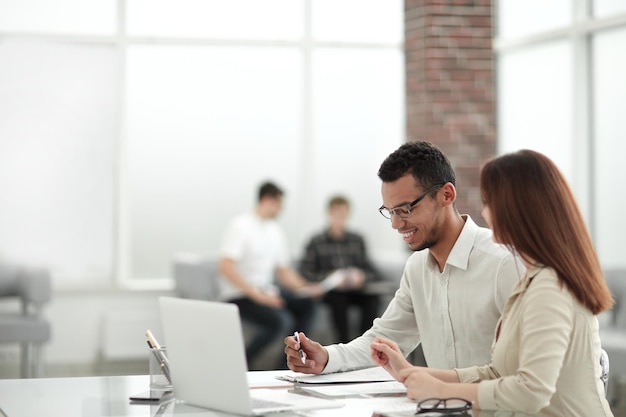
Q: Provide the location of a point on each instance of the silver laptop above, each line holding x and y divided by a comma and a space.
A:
208, 367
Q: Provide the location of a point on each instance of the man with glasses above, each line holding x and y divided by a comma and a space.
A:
453, 287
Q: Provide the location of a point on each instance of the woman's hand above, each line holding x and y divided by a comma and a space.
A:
388, 355
420, 384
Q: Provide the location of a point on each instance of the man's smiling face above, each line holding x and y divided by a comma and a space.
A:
420, 229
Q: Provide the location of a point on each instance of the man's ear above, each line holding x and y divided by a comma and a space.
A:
447, 194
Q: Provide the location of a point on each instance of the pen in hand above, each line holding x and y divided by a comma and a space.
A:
300, 351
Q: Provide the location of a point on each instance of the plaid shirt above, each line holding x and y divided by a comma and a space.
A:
325, 254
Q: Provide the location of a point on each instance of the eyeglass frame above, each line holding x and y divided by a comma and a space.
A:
407, 207
442, 410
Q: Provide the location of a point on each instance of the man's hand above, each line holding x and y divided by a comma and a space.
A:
315, 290
269, 299
355, 278
316, 355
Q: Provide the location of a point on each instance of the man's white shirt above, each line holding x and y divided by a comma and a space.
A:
258, 246
453, 313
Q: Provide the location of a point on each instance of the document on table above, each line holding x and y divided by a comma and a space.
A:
375, 374
374, 389
393, 407
267, 379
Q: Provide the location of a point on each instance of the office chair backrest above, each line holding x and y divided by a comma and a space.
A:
196, 277
604, 364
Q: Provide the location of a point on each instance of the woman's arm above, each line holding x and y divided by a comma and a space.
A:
422, 383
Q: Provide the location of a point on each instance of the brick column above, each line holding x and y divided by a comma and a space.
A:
450, 86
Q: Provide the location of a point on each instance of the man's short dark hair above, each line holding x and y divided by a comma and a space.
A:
338, 200
269, 189
423, 160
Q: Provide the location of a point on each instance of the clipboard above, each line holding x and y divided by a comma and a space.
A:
359, 390
366, 375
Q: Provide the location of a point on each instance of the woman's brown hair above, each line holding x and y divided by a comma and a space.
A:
534, 212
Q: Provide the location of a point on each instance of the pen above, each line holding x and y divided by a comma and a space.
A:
164, 368
153, 342
300, 351
159, 355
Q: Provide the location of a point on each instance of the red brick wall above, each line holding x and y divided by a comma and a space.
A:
450, 86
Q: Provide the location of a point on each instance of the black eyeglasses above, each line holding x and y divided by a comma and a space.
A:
405, 211
444, 406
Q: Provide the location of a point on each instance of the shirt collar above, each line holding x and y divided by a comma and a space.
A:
523, 283
260, 219
332, 237
460, 253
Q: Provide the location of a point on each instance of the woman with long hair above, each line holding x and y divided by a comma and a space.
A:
546, 352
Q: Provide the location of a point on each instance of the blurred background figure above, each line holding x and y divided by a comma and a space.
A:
342, 253
252, 253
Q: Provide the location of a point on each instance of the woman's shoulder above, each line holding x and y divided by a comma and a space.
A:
542, 276
545, 280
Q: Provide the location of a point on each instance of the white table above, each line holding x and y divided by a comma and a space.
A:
108, 397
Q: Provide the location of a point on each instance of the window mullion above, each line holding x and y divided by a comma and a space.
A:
582, 146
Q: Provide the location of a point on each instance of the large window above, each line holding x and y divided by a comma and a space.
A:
560, 91
58, 136
131, 130
609, 133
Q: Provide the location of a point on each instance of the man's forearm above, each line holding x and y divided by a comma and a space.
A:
290, 278
228, 269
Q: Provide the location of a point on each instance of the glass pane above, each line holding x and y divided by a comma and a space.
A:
58, 131
534, 102
609, 86
206, 125
358, 107
238, 19
94, 17
521, 18
358, 20
604, 8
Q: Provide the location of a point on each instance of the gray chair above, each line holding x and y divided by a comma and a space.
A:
32, 288
390, 271
196, 277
